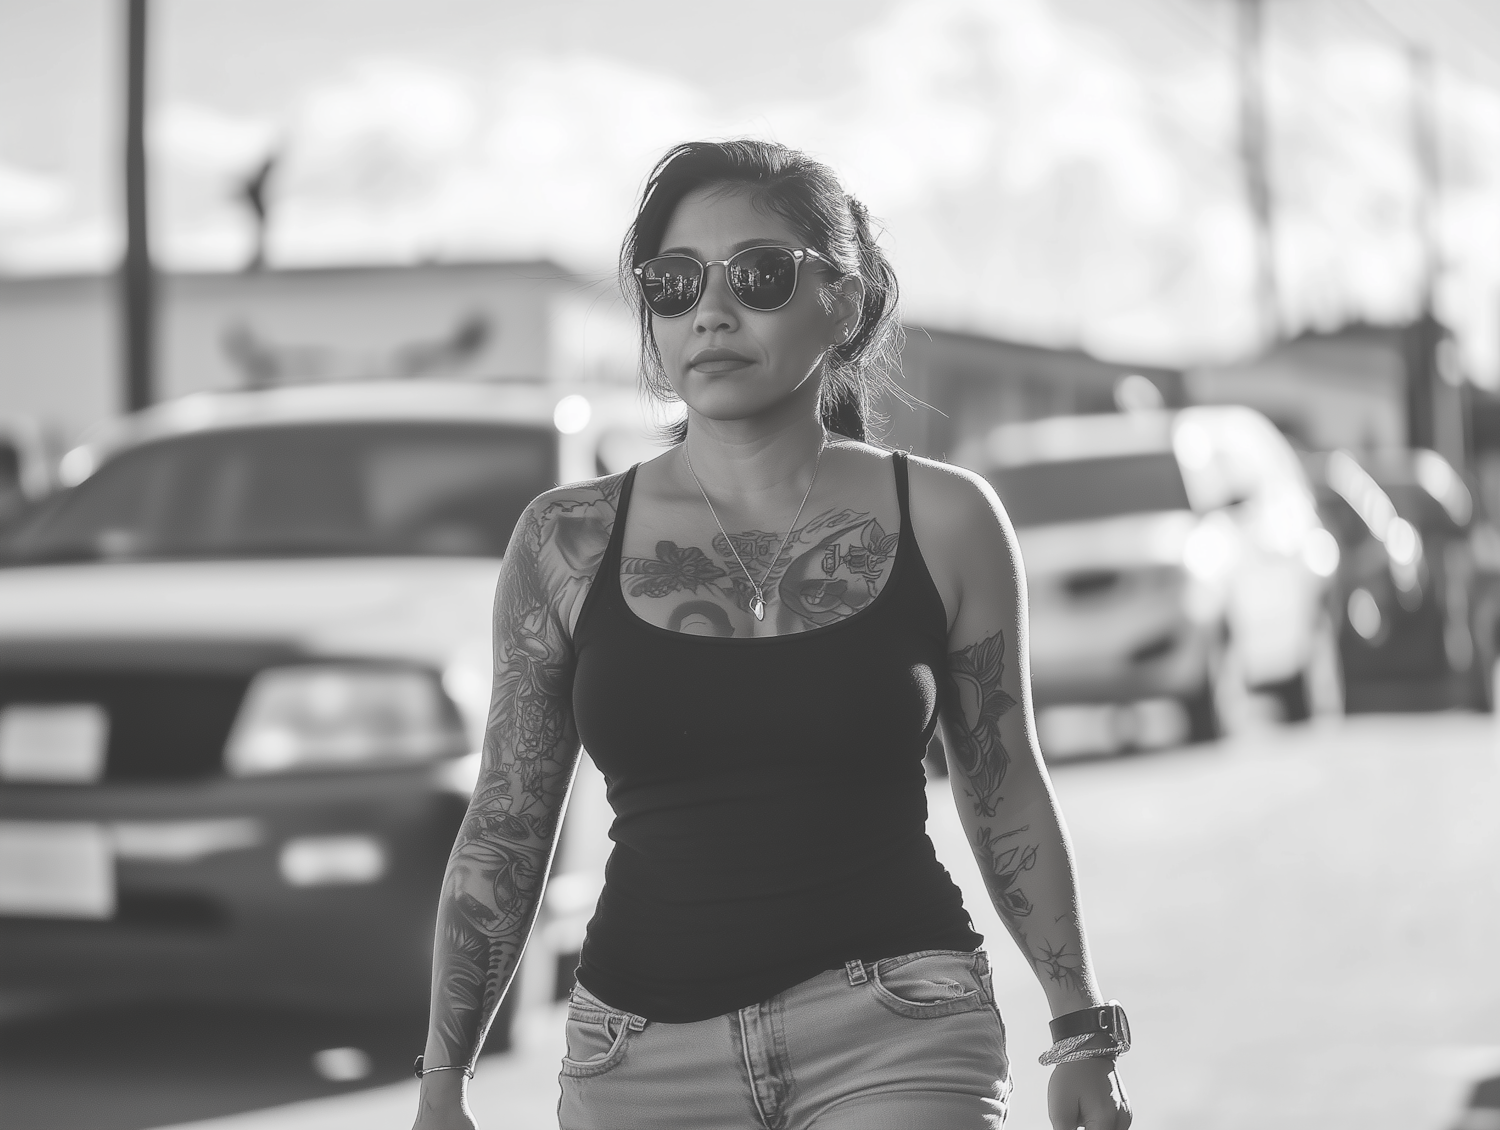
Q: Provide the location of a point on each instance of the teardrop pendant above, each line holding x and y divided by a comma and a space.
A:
758, 607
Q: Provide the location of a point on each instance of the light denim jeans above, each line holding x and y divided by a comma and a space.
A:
908, 1043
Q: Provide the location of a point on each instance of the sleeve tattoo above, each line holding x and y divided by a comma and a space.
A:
500, 858
976, 703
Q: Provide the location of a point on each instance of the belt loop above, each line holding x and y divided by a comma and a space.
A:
637, 1023
856, 971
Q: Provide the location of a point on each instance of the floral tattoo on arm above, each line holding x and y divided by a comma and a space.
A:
504, 846
976, 702
979, 703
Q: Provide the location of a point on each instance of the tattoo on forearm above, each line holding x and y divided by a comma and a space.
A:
977, 704
500, 857
1002, 865
1062, 965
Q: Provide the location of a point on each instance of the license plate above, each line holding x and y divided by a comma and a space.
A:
61, 743
56, 870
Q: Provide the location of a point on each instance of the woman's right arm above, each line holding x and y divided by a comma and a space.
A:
493, 885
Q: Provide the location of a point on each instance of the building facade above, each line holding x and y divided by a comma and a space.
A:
60, 337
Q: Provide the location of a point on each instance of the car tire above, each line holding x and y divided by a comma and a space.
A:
1215, 708
1292, 697
1319, 687
1477, 687
1204, 723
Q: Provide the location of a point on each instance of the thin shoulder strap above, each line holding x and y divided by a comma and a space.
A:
606, 583
898, 458
617, 532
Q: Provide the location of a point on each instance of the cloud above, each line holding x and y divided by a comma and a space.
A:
196, 139
30, 198
1035, 181
545, 159
200, 159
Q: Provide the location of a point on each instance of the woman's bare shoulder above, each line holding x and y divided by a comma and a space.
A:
567, 528
964, 533
952, 497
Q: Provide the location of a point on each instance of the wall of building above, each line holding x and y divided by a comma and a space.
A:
973, 383
1325, 391
501, 321
59, 344
496, 321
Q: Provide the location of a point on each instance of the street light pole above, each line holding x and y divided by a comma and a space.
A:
1253, 160
137, 283
1435, 414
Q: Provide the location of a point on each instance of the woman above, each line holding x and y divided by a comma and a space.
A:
754, 635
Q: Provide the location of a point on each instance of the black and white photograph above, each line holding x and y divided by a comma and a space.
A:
779, 565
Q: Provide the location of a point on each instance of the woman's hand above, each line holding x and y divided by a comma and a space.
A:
1087, 1093
444, 1103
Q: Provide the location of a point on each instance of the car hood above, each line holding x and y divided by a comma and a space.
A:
424, 609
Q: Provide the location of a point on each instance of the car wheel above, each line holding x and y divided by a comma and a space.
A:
1477, 686
1218, 707
1202, 708
1319, 687
1292, 697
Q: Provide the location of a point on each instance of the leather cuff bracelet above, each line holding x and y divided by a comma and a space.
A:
1107, 1020
1089, 1033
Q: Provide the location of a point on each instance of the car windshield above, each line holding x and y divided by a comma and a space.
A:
1077, 490
306, 490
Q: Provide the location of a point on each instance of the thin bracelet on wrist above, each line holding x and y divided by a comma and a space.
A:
1075, 1048
418, 1070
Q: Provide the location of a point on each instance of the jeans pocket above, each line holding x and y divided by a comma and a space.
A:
595, 1041
929, 983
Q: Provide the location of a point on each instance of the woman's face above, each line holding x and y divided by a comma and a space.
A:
726, 361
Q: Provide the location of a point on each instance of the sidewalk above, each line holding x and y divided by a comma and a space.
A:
1338, 885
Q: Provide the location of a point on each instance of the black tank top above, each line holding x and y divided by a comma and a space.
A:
769, 795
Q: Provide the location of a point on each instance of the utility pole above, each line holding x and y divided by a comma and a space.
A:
1425, 153
1422, 337
137, 282
1253, 160
1434, 414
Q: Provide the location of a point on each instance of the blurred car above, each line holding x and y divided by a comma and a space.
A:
1412, 635
244, 674
1172, 560
25, 467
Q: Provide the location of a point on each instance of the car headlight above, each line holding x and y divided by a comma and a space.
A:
1403, 542
323, 716
1209, 551
1320, 552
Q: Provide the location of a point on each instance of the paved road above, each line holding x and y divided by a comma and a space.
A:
1303, 923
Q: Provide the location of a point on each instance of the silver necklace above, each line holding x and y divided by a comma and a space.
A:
758, 605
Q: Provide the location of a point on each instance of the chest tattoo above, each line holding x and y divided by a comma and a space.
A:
834, 566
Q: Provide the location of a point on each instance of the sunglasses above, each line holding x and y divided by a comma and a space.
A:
760, 278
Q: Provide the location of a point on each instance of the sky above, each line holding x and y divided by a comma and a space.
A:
1058, 171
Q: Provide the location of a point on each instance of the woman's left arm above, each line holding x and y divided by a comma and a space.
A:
1004, 797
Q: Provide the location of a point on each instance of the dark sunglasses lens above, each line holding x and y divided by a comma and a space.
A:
671, 284
763, 278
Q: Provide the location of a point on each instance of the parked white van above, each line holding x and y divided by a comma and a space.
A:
1173, 560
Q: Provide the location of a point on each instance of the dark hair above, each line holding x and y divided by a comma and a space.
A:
806, 194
